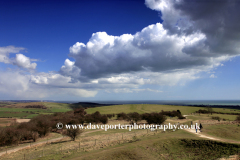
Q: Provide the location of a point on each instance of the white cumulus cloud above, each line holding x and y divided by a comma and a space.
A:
5, 51
20, 60
20, 85
24, 62
174, 52
194, 37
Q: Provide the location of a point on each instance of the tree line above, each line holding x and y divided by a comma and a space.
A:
42, 125
204, 111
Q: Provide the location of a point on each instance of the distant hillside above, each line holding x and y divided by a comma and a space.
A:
88, 105
213, 106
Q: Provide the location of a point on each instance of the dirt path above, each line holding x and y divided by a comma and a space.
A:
28, 146
202, 135
38, 143
22, 120
199, 134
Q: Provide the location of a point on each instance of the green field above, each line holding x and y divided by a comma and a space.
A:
4, 114
20, 112
147, 108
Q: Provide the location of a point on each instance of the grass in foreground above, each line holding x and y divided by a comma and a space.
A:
110, 145
161, 145
171, 145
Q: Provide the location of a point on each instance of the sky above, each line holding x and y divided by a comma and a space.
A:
93, 50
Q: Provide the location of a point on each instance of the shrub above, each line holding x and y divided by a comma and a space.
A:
104, 119
122, 116
145, 116
41, 124
96, 117
81, 120
171, 113
202, 111
109, 116
155, 118
210, 110
179, 111
9, 136
88, 118
26, 134
36, 106
73, 121
35, 136
80, 111
2, 136
73, 133
134, 117
216, 118
238, 118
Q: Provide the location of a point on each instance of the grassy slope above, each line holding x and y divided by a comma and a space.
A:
227, 131
18, 110
143, 108
209, 116
57, 107
159, 146
136, 150
223, 116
